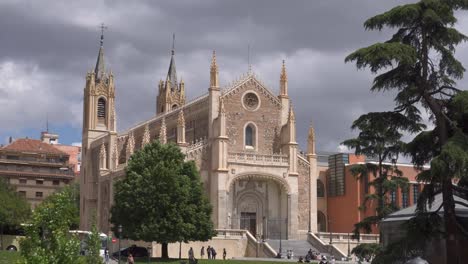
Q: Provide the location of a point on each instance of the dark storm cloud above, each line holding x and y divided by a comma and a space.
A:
52, 44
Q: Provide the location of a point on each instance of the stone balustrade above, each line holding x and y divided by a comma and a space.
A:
258, 159
341, 237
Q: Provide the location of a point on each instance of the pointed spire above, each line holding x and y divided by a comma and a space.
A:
146, 136
214, 80
181, 119
311, 140
115, 154
130, 145
283, 81
292, 117
172, 73
103, 156
222, 110
181, 128
162, 132
99, 71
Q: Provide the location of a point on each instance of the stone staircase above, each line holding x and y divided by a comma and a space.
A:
299, 247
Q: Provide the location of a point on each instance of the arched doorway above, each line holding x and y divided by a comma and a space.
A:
258, 204
321, 222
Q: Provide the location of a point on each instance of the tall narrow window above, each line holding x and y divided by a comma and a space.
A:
404, 198
393, 197
249, 136
101, 108
415, 193
320, 188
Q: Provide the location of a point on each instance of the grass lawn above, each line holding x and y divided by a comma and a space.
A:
205, 261
9, 256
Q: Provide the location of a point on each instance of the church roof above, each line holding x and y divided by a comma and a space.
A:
32, 146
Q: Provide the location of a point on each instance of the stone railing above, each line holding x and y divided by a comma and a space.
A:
342, 237
258, 159
197, 144
228, 233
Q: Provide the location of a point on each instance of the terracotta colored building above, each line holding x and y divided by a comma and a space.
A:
36, 169
345, 194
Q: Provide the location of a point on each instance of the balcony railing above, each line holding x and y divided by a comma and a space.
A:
258, 159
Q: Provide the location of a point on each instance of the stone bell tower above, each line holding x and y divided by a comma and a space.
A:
98, 119
171, 94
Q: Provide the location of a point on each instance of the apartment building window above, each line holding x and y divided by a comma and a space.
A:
23, 181
55, 182
39, 182
336, 175
66, 181
320, 188
22, 193
393, 197
415, 193
36, 169
404, 198
39, 194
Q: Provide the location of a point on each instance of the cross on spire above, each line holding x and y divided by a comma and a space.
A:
103, 27
173, 43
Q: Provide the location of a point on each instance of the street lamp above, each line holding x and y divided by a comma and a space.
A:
120, 237
349, 250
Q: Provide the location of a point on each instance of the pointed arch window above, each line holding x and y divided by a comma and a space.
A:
250, 136
101, 108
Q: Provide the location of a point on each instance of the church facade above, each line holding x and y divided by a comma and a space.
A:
241, 137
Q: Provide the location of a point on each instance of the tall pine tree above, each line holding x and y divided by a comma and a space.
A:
380, 139
418, 63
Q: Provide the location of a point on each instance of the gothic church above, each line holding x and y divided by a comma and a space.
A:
242, 138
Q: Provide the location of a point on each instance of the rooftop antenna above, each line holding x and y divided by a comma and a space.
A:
103, 27
47, 122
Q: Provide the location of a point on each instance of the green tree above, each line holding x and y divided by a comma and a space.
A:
94, 246
47, 233
366, 251
380, 138
161, 198
418, 63
14, 209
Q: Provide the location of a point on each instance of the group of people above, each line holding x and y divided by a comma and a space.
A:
210, 251
311, 255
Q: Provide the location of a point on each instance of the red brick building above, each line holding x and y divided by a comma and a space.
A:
345, 193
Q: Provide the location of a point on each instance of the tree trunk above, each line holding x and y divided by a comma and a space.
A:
180, 249
452, 249
164, 251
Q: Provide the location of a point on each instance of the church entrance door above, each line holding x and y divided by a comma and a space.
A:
248, 222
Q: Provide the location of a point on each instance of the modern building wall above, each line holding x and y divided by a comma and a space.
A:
346, 209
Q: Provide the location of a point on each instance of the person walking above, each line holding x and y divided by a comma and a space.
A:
208, 251
202, 252
213, 253
190, 254
130, 259
224, 254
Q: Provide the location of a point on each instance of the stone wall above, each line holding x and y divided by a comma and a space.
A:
304, 197
266, 118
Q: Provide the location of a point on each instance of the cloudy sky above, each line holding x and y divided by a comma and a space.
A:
46, 48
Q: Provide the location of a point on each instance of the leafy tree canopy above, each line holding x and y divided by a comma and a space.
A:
47, 232
161, 198
14, 209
